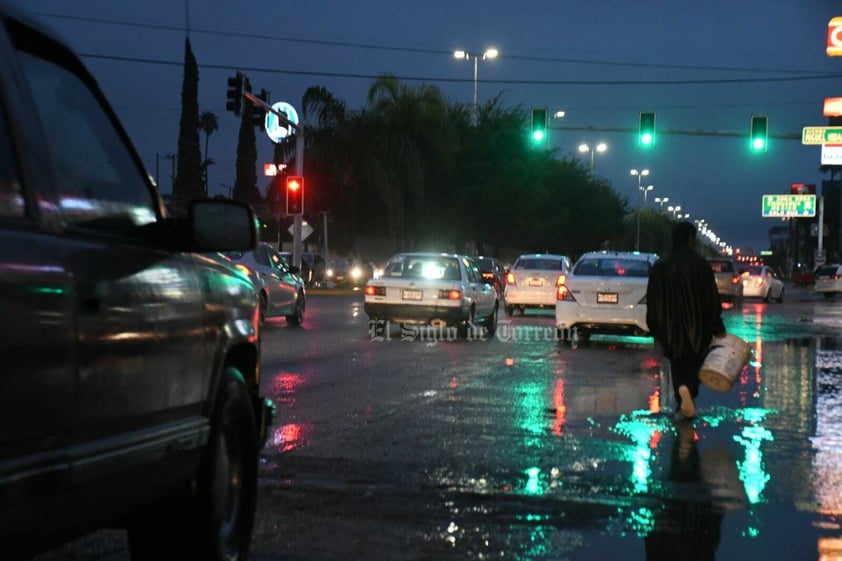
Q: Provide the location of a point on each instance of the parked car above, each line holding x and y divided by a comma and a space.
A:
492, 271
761, 281
729, 283
280, 289
130, 388
829, 279
533, 280
604, 293
438, 289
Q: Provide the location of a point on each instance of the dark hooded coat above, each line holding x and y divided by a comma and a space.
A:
683, 309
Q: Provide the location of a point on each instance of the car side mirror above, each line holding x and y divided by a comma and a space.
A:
222, 225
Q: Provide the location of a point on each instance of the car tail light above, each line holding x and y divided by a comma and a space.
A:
488, 276
759, 281
834, 277
563, 293
561, 280
375, 290
510, 279
450, 294
735, 279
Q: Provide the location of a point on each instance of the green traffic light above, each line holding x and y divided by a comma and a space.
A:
646, 129
538, 136
646, 139
759, 132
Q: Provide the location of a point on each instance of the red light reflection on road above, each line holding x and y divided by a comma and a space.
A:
560, 407
290, 436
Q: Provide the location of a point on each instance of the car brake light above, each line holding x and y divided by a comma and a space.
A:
488, 276
561, 280
834, 277
510, 279
375, 290
735, 279
450, 294
563, 293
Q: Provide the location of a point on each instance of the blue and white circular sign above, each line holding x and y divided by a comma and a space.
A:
275, 129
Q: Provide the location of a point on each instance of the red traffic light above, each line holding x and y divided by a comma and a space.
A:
295, 194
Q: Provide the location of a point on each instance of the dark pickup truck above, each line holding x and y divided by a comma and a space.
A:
130, 349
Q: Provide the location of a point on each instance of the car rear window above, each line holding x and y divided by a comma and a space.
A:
753, 269
612, 267
827, 271
535, 264
415, 267
721, 266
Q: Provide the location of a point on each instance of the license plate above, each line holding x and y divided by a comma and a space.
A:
536, 282
409, 294
606, 298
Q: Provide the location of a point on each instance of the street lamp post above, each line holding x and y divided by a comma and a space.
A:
486, 55
661, 201
640, 174
601, 147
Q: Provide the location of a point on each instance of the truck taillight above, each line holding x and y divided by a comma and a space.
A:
510, 279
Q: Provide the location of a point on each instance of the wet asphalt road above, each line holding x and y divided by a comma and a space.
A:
523, 447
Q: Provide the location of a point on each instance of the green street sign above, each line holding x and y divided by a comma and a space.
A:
821, 135
789, 206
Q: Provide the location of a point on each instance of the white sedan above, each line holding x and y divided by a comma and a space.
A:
604, 293
828, 279
441, 290
761, 281
532, 281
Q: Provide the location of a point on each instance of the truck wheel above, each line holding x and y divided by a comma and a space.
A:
215, 521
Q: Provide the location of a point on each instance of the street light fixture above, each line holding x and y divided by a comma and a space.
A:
601, 147
640, 174
645, 191
488, 54
661, 201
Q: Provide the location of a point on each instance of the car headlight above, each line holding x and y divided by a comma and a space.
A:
329, 272
356, 272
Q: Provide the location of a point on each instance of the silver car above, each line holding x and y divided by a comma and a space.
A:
533, 280
280, 288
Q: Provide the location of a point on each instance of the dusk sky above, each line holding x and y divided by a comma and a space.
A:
700, 66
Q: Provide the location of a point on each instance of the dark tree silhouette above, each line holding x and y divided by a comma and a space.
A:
188, 181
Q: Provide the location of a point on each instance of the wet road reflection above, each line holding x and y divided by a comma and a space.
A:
529, 449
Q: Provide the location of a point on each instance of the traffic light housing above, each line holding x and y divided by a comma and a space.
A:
539, 125
235, 94
759, 133
258, 114
295, 194
646, 129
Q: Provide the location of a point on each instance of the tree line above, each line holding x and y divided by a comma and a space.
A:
412, 171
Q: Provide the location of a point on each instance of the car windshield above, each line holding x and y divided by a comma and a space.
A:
612, 267
722, 266
420, 267
539, 264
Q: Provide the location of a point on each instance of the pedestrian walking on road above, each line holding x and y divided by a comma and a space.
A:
684, 313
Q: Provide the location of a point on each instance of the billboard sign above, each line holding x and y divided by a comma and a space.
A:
789, 206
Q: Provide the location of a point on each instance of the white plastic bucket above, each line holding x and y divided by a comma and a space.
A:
725, 360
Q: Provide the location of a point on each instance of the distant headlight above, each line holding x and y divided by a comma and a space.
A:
329, 272
356, 272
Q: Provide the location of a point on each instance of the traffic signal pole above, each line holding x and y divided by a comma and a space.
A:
299, 170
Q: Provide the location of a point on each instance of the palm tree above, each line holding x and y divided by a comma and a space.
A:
208, 124
411, 147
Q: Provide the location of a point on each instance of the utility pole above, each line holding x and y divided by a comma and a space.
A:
324, 248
